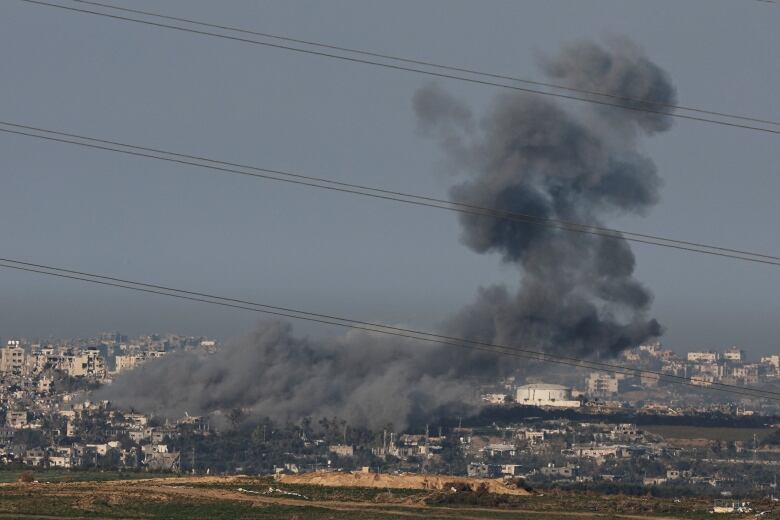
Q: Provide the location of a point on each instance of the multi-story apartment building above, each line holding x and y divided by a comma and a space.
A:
12, 357
735, 355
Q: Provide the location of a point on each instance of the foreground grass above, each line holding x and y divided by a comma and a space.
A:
66, 475
185, 499
58, 507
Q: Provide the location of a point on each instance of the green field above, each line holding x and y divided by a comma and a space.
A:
90, 495
93, 495
65, 475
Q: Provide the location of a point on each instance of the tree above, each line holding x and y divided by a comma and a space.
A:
236, 417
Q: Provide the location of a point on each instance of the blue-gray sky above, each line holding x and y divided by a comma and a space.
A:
321, 251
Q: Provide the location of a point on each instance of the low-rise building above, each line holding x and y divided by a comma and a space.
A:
708, 356
342, 450
542, 394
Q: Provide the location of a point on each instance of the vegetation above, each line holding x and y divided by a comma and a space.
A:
22, 474
710, 433
521, 413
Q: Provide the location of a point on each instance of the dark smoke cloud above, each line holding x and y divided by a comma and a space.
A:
577, 294
621, 69
533, 156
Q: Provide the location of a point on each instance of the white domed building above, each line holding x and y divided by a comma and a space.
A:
541, 394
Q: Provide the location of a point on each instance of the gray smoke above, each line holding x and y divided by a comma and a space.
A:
529, 154
620, 69
533, 156
364, 378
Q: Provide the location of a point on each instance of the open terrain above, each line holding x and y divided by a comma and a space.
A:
266, 498
670, 432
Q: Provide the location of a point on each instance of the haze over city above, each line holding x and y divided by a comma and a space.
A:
515, 258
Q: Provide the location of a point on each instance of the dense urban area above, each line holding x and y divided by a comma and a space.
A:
630, 433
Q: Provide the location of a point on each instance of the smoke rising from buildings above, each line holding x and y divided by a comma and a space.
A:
577, 294
534, 156
364, 378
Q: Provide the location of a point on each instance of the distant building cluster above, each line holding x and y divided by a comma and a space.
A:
46, 422
709, 366
646, 380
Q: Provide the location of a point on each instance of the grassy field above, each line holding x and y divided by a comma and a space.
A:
715, 434
196, 498
64, 475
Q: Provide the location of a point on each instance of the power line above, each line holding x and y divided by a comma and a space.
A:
544, 357
377, 328
430, 63
384, 194
407, 69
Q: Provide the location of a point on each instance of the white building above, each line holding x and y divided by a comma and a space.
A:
703, 357
773, 361
494, 398
653, 349
546, 395
342, 450
735, 355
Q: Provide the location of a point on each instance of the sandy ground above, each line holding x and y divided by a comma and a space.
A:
385, 481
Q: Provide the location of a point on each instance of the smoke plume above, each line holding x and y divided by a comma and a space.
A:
577, 294
533, 156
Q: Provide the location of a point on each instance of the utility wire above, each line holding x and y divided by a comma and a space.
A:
379, 193
587, 363
429, 63
378, 328
407, 69
540, 355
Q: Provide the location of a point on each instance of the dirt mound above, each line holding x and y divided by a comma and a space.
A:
382, 480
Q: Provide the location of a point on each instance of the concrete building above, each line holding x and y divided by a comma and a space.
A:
603, 384
653, 349
551, 470
87, 363
542, 394
128, 362
735, 355
16, 419
500, 449
494, 398
342, 450
704, 357
773, 361
12, 357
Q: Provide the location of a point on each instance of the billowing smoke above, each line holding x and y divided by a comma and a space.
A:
364, 378
533, 156
530, 154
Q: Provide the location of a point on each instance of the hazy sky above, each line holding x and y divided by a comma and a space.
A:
322, 251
